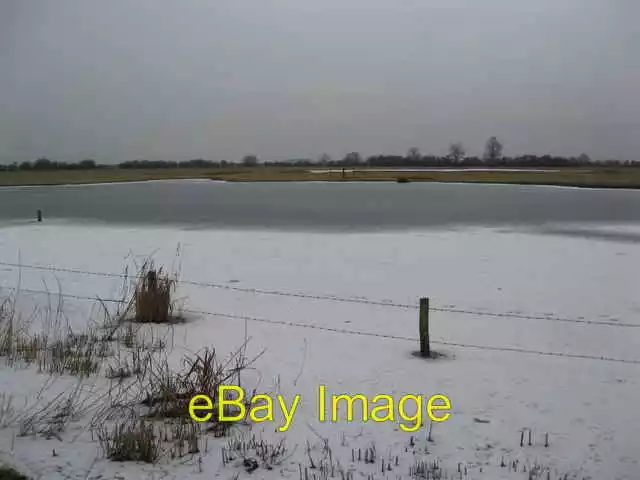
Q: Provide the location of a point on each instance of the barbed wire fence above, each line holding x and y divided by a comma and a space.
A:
335, 298
322, 297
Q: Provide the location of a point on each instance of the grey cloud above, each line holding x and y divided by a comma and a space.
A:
286, 78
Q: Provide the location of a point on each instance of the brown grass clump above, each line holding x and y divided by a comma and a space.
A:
153, 295
168, 392
130, 440
7, 328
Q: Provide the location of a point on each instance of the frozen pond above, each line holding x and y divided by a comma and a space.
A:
320, 206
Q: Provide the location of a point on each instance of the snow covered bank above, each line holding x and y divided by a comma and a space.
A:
102, 184
586, 406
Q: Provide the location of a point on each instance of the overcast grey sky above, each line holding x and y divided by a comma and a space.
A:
218, 79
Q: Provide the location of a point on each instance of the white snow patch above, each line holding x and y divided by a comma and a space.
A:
115, 182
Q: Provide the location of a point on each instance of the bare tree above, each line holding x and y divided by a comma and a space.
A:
250, 161
456, 152
584, 159
324, 159
352, 158
414, 154
493, 150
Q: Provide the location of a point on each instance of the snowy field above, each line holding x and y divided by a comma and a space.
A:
588, 407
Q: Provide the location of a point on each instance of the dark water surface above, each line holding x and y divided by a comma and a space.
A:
318, 206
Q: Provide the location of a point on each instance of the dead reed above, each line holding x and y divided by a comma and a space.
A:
153, 295
130, 440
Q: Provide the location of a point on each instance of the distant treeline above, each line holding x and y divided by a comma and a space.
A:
46, 164
351, 160
434, 161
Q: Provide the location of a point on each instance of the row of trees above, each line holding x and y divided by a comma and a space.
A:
456, 156
247, 161
46, 164
197, 163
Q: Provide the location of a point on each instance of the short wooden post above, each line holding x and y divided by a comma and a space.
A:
425, 349
39, 215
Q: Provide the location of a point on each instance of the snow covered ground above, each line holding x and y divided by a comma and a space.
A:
588, 407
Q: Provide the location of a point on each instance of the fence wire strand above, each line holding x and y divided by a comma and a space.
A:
346, 331
335, 298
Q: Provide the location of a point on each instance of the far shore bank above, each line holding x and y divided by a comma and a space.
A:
597, 178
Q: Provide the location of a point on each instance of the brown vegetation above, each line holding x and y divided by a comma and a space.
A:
598, 176
578, 177
153, 295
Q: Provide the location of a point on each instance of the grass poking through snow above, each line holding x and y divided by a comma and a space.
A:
130, 440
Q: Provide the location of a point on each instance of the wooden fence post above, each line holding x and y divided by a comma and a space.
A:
425, 348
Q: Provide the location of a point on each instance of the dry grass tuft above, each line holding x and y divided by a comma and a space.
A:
51, 418
137, 439
57, 349
185, 435
7, 328
168, 392
269, 454
6, 409
131, 440
153, 295
134, 365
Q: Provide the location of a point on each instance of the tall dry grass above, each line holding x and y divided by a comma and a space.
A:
141, 415
153, 296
